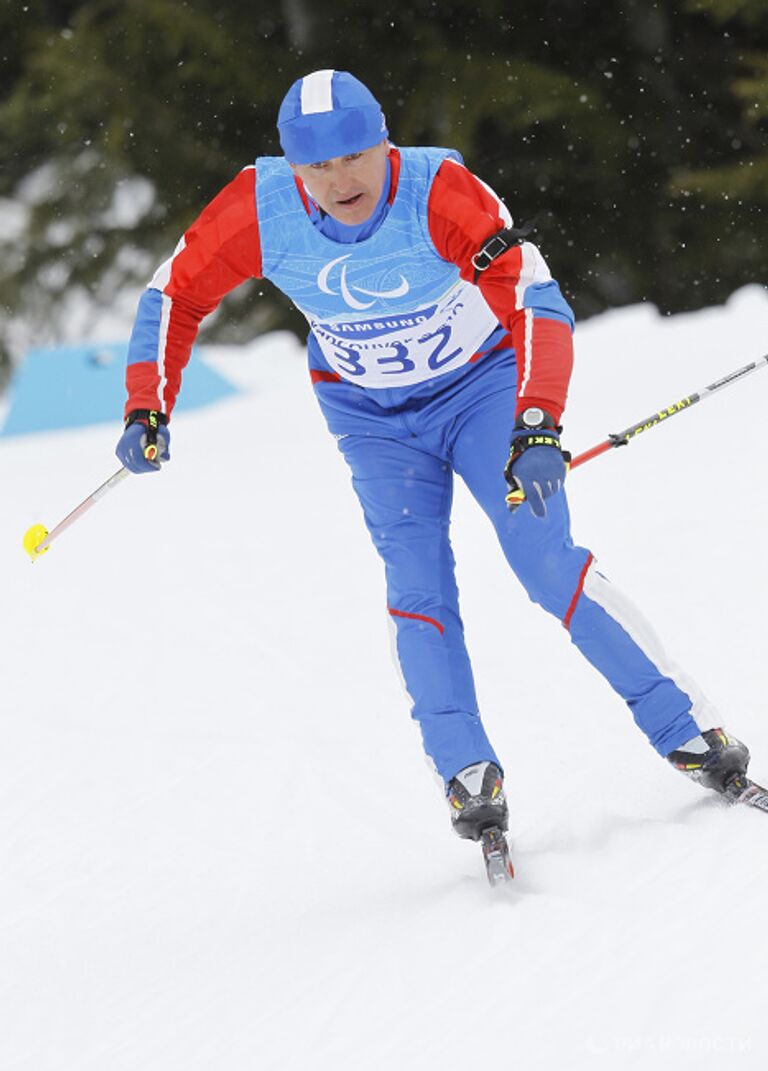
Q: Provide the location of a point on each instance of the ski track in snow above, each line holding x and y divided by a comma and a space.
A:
221, 847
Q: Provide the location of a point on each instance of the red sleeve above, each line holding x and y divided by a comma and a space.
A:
463, 213
218, 252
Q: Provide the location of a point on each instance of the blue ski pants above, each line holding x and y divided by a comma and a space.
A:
402, 464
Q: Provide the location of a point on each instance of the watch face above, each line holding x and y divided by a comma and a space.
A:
533, 417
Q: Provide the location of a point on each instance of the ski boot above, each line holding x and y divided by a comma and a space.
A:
721, 766
479, 812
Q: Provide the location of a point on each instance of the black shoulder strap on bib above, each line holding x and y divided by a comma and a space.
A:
498, 243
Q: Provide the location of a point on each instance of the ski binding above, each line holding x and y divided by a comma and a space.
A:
742, 789
498, 865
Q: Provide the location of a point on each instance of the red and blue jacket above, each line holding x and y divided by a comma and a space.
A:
225, 246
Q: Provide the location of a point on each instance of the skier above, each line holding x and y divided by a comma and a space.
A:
438, 343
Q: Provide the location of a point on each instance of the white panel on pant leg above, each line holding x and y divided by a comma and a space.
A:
625, 613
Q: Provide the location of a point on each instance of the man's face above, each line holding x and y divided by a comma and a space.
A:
347, 187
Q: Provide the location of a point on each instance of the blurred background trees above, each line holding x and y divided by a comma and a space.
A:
633, 130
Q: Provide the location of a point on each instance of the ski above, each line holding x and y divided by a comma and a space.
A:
742, 789
498, 865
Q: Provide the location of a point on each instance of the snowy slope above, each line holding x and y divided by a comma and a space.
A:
221, 847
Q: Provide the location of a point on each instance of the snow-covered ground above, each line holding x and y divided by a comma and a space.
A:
220, 846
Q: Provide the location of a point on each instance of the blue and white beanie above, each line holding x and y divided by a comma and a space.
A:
328, 114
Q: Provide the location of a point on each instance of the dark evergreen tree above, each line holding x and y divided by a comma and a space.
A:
634, 130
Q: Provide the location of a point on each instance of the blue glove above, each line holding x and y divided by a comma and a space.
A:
536, 467
145, 442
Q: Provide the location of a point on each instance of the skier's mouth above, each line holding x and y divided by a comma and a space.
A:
349, 202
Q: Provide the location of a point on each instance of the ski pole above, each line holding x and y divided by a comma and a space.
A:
38, 539
622, 438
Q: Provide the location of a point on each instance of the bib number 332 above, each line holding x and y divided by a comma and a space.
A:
395, 361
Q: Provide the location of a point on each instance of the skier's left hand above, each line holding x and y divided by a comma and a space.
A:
536, 468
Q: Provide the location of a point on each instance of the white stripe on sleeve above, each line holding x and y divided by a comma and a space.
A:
162, 276
165, 319
159, 282
533, 269
504, 212
528, 353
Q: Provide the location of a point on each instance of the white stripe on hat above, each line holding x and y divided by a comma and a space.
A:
316, 92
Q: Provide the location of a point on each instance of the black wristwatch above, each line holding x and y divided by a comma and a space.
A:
534, 419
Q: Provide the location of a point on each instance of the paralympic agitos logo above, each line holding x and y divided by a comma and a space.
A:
345, 289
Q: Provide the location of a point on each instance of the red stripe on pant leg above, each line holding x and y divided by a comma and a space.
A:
577, 592
417, 617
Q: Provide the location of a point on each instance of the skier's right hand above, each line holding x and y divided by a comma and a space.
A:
145, 443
